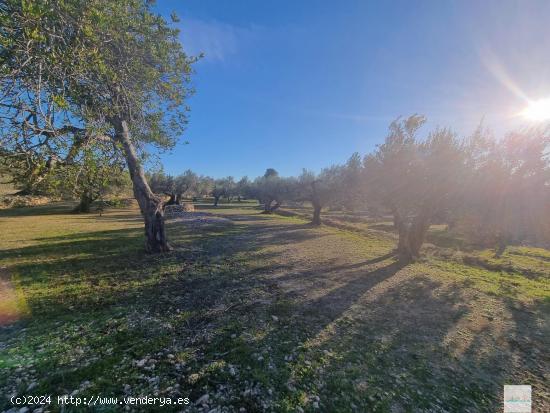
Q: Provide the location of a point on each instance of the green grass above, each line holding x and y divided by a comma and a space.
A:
262, 313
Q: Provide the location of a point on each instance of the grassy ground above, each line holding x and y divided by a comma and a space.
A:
451, 245
262, 313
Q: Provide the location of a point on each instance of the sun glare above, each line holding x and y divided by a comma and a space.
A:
538, 110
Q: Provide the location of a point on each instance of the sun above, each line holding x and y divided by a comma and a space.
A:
537, 110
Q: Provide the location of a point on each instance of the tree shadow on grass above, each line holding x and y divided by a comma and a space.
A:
85, 281
366, 334
112, 263
377, 343
117, 217
366, 263
298, 319
225, 206
384, 353
54, 208
529, 341
383, 341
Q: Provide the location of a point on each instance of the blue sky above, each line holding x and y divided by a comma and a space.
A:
294, 84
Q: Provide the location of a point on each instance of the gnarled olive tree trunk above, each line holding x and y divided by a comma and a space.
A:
175, 199
316, 213
83, 206
316, 204
411, 236
151, 205
270, 206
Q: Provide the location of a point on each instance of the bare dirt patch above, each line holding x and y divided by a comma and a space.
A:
197, 218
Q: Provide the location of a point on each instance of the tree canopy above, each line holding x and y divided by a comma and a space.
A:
78, 72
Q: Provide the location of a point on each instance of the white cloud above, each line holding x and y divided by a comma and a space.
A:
218, 41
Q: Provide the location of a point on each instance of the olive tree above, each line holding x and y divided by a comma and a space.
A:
91, 174
185, 184
242, 188
223, 187
204, 186
271, 190
163, 184
175, 187
507, 199
321, 190
351, 195
91, 178
78, 71
415, 179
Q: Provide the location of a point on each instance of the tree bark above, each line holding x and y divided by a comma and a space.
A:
270, 207
411, 236
151, 206
316, 214
401, 227
501, 244
216, 200
397, 221
315, 202
84, 205
267, 205
172, 200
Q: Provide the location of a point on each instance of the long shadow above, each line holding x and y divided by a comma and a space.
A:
111, 234
382, 352
529, 342
365, 263
224, 206
391, 344
90, 257
116, 257
352, 281
374, 342
395, 346
116, 217
255, 217
338, 300
103, 273
56, 208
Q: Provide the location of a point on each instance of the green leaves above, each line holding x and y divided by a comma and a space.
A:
109, 59
60, 101
68, 68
